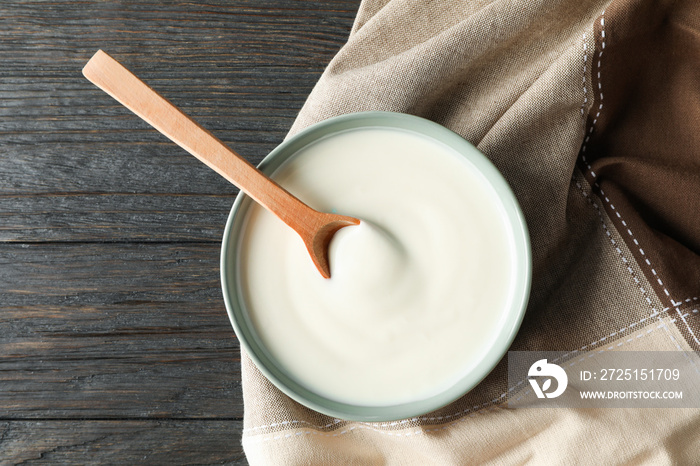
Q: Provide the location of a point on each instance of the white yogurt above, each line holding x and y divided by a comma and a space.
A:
417, 291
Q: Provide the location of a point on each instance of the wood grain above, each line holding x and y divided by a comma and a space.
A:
113, 217
116, 347
121, 442
115, 331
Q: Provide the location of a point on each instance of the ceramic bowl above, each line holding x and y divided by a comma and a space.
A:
520, 288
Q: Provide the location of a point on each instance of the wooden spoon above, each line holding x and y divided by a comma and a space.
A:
315, 228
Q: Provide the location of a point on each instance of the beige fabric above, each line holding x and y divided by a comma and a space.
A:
511, 77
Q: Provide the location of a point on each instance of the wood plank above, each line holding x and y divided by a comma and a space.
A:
113, 217
100, 166
115, 331
299, 28
121, 442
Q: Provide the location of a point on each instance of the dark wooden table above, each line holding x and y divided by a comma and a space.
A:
115, 346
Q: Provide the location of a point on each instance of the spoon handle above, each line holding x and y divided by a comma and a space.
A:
113, 78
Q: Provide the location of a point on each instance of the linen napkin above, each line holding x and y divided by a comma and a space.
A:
591, 110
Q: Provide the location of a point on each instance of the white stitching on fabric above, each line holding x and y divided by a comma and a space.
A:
629, 232
600, 94
585, 70
673, 339
694, 311
668, 333
683, 316
617, 249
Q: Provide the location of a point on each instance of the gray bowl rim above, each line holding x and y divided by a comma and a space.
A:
414, 409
